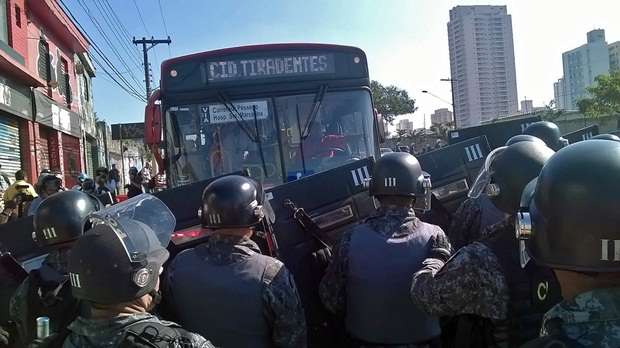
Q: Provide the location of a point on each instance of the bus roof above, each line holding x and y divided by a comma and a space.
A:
259, 48
264, 67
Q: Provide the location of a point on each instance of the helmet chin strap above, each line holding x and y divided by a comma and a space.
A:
156, 296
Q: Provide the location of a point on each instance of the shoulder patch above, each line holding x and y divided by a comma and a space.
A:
271, 271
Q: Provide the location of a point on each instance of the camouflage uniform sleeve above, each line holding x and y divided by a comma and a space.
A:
465, 224
332, 288
18, 308
283, 308
471, 282
198, 342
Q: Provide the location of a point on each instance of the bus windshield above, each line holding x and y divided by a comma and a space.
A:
276, 139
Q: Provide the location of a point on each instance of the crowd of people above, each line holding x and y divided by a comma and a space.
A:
534, 250
20, 198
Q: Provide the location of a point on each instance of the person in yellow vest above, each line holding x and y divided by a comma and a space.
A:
19, 186
16, 198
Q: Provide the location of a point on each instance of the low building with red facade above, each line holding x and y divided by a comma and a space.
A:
46, 109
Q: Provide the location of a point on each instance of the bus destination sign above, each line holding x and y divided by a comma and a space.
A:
270, 67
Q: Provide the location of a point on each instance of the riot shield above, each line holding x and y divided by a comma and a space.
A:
16, 238
497, 133
184, 202
454, 168
332, 201
12, 275
581, 134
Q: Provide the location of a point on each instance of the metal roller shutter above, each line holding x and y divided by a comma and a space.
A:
90, 169
10, 155
71, 157
43, 149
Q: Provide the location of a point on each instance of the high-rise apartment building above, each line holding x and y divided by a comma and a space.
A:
482, 63
614, 56
581, 66
405, 125
441, 116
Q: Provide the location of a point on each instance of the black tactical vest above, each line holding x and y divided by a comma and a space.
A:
150, 334
223, 302
533, 291
49, 295
379, 307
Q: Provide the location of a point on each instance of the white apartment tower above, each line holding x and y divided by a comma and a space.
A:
582, 65
482, 63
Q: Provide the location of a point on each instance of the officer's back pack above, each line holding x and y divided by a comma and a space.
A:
142, 334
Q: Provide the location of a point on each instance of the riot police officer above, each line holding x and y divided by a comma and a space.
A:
224, 288
548, 132
484, 283
366, 283
570, 223
523, 137
476, 214
606, 137
60, 220
48, 185
114, 268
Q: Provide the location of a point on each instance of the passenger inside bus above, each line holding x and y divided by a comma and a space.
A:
339, 132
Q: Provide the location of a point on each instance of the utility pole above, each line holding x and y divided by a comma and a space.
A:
451, 80
152, 42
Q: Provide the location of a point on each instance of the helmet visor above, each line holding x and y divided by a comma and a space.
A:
423, 201
140, 214
484, 177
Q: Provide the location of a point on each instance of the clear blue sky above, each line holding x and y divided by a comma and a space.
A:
405, 40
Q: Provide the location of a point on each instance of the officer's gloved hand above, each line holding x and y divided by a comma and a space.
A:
4, 337
440, 247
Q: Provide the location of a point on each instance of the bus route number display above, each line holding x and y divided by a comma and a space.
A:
270, 67
218, 113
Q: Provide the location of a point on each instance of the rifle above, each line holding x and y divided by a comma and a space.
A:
324, 254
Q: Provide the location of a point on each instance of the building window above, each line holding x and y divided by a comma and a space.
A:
86, 87
18, 16
64, 86
43, 63
4, 22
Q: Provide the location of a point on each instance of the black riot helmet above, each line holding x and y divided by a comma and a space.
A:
399, 174
606, 137
523, 137
62, 218
507, 171
234, 201
121, 257
571, 220
547, 132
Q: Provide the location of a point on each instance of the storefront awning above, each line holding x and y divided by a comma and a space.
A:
15, 98
53, 115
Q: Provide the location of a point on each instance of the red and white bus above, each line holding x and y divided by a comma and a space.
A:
279, 111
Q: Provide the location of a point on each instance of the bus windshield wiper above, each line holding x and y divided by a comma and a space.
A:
239, 119
259, 142
318, 100
237, 116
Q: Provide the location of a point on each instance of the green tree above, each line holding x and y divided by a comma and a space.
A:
550, 112
604, 96
391, 101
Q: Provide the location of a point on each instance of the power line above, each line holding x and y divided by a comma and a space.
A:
163, 19
152, 42
108, 20
140, 16
107, 39
118, 33
120, 24
125, 85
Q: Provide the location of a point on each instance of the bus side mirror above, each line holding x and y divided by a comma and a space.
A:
152, 120
153, 128
380, 126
